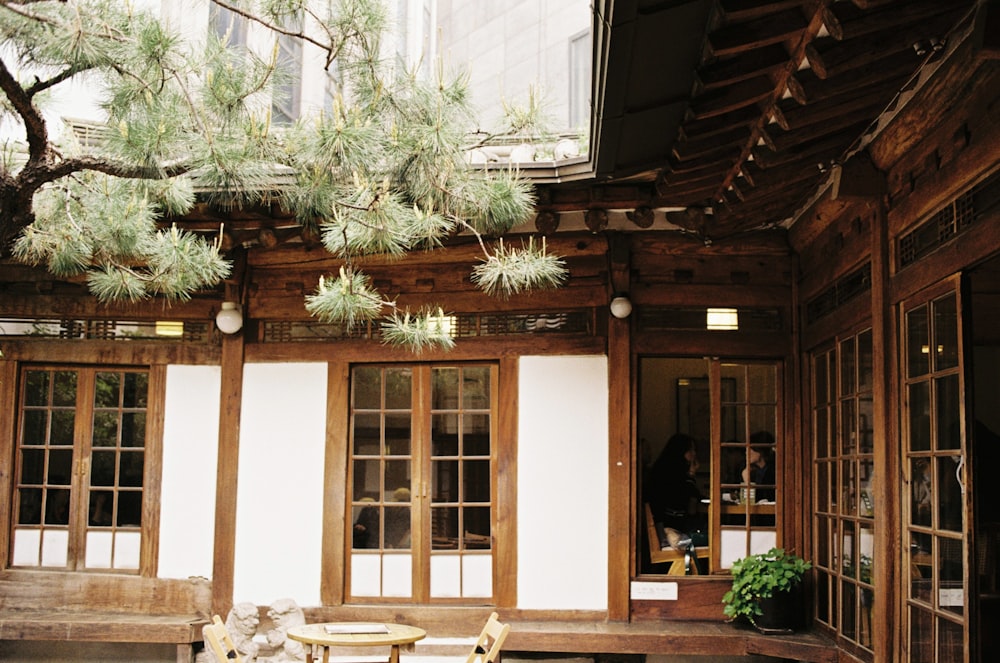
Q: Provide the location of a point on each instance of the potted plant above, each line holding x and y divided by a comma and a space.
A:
766, 590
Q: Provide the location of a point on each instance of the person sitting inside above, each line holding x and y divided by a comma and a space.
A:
760, 470
673, 494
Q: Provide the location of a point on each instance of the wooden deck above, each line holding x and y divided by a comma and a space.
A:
667, 637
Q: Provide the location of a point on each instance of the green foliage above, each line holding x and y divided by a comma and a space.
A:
381, 171
759, 577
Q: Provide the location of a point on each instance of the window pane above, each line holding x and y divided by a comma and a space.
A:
476, 388
476, 435
397, 478
847, 378
477, 528
57, 507
105, 429
366, 525
106, 389
917, 343
445, 481
101, 508
133, 429
62, 428
945, 333
445, 382
32, 466
865, 362
866, 433
135, 392
950, 503
820, 379
60, 467
948, 412
367, 478
29, 510
398, 388
397, 527
444, 432
848, 432
920, 512
64, 389
920, 422
102, 468
367, 434
129, 508
477, 481
130, 469
366, 383
397, 434
36, 388
444, 521
34, 427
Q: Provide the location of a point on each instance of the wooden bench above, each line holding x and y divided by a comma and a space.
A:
658, 554
76, 607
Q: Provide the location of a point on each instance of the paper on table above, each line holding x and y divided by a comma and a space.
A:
349, 627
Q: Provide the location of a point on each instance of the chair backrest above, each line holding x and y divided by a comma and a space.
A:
219, 642
490, 641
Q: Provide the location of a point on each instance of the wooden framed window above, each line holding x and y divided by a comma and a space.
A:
843, 452
935, 546
422, 481
81, 469
732, 410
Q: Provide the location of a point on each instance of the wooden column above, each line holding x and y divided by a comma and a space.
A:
230, 402
620, 457
885, 398
335, 490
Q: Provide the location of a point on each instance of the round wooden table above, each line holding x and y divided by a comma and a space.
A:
350, 634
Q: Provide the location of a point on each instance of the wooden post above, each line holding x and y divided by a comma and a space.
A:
621, 507
230, 404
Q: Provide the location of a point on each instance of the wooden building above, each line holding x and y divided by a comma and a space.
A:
825, 173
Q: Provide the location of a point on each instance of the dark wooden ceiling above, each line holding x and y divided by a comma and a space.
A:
729, 115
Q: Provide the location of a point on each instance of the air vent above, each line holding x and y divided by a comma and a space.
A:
842, 291
952, 220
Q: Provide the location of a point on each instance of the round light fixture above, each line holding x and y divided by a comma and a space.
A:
229, 320
621, 307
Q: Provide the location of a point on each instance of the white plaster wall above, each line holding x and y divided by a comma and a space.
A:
562, 483
280, 490
190, 453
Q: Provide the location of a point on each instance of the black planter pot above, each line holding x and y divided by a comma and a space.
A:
783, 613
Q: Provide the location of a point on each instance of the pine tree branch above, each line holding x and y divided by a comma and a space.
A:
35, 127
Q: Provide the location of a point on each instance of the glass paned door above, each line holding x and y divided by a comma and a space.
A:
934, 480
422, 482
80, 469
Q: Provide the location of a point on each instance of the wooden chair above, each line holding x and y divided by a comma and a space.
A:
658, 554
218, 641
487, 648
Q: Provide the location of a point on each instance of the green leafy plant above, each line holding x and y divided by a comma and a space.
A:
761, 576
